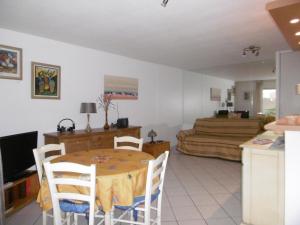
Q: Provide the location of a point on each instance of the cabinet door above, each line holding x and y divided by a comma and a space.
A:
262, 187
76, 144
102, 141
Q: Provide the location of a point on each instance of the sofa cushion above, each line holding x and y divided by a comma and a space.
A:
227, 127
224, 140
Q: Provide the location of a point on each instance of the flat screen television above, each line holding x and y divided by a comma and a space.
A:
16, 153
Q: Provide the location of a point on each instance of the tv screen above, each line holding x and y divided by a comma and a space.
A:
17, 156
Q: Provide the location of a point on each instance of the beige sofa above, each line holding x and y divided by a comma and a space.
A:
218, 137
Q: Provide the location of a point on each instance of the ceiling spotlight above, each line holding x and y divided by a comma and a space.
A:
255, 50
298, 33
295, 20
164, 3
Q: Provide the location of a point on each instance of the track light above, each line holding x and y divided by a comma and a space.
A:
164, 3
255, 50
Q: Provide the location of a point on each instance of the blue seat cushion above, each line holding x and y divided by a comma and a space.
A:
69, 206
136, 202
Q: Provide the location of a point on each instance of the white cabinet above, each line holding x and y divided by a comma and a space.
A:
262, 183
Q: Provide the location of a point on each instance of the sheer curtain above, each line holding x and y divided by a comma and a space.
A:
2, 207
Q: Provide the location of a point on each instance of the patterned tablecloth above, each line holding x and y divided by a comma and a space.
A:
120, 176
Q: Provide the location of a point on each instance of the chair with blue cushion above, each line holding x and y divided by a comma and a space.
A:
68, 202
41, 155
146, 210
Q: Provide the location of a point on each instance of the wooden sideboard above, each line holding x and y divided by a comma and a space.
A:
156, 148
81, 140
263, 182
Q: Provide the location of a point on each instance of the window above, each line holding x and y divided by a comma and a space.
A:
269, 101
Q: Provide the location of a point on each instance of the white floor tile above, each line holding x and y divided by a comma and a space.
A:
187, 213
203, 199
192, 222
226, 221
212, 212
180, 201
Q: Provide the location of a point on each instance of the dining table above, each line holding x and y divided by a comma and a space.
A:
121, 175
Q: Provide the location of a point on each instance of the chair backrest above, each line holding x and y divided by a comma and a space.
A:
40, 156
128, 139
84, 177
155, 181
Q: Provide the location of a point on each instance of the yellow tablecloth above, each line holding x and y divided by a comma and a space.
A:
121, 175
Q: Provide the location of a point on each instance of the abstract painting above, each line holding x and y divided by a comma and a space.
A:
10, 62
215, 94
45, 81
121, 87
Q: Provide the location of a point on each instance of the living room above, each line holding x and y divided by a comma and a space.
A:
177, 53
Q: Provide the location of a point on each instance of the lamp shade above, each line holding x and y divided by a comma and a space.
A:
298, 89
152, 133
88, 107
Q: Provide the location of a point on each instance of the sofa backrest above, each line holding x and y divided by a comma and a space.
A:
228, 127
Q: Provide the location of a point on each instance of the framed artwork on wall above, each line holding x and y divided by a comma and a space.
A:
125, 88
45, 81
215, 94
10, 62
246, 95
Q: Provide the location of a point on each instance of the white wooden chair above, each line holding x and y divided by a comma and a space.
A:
40, 157
65, 201
152, 199
128, 139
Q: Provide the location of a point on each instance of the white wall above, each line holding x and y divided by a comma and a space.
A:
160, 89
241, 104
162, 105
288, 69
197, 101
255, 89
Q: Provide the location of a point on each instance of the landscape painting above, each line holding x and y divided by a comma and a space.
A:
215, 94
121, 87
45, 81
10, 62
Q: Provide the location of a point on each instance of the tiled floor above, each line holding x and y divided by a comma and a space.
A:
198, 191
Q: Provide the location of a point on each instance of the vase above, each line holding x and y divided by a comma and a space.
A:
106, 126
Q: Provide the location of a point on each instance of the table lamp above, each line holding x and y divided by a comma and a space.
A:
152, 134
88, 107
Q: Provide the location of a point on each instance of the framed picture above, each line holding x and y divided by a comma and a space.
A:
45, 81
215, 94
10, 62
121, 87
246, 95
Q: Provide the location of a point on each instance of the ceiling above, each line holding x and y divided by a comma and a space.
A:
258, 70
188, 34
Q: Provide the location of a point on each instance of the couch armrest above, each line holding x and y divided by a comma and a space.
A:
185, 133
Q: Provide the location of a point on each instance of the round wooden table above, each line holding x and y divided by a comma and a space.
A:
121, 176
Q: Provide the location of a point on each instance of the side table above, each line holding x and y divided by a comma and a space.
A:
156, 148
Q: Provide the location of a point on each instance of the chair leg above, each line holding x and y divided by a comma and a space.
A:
75, 219
44, 217
68, 218
131, 216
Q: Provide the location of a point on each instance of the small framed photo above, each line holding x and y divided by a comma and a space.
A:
10, 62
45, 81
246, 95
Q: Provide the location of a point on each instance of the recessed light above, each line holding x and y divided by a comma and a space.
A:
298, 33
295, 20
